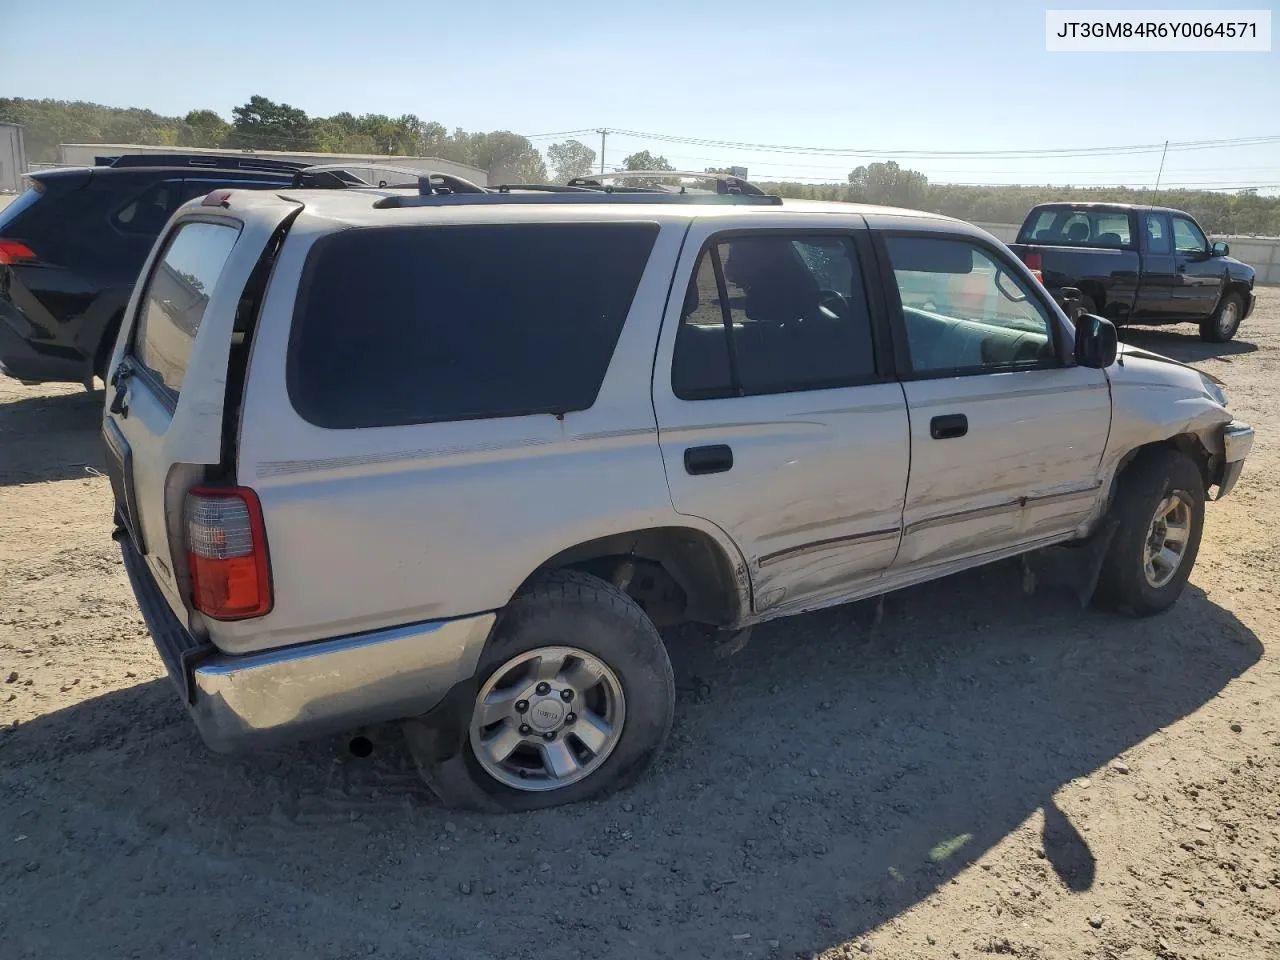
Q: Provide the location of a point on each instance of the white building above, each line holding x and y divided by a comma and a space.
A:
13, 158
83, 154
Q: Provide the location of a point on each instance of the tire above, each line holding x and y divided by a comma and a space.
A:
1086, 305
1150, 482
1224, 323
563, 611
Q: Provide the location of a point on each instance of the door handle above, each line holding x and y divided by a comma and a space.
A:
948, 425
716, 458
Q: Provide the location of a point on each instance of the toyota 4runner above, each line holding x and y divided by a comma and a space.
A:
455, 456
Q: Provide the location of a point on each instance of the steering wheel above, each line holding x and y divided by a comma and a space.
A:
832, 305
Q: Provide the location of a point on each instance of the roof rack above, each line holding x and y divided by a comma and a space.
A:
729, 190
339, 175
542, 188
245, 162
489, 197
724, 183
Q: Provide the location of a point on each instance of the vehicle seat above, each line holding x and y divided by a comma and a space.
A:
777, 287
1110, 238
1078, 232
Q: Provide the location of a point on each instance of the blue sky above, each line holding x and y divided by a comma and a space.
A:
926, 75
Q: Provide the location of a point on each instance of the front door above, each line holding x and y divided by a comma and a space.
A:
776, 418
1200, 276
1006, 433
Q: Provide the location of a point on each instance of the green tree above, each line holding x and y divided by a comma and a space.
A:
507, 156
263, 124
570, 159
890, 184
204, 128
644, 160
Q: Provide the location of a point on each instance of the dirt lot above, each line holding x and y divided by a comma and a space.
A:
983, 772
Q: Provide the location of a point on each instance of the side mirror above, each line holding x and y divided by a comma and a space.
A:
1220, 249
1096, 341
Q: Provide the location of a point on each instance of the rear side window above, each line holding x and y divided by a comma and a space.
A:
148, 212
23, 202
1157, 226
403, 325
1063, 226
178, 291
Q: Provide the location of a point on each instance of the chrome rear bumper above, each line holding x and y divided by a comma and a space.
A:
333, 686
309, 690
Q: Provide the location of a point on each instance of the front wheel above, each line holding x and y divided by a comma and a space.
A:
1160, 509
1224, 323
575, 699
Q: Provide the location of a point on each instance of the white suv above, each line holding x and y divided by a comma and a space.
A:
455, 457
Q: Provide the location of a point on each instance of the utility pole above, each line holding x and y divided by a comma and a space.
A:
603, 133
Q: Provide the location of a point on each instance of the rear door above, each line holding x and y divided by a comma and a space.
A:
165, 395
1155, 295
778, 418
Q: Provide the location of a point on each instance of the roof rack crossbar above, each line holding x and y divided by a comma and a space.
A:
542, 188
725, 183
340, 175
218, 161
449, 185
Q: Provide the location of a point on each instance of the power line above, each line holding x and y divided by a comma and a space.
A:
952, 154
561, 133
1037, 171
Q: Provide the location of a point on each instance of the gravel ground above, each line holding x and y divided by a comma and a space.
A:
983, 772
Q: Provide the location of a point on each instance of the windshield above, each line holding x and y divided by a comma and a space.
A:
16, 207
1068, 227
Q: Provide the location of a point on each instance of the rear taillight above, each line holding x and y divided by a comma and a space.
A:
227, 553
14, 251
1034, 263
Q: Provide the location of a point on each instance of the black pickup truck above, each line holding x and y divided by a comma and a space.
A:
1136, 265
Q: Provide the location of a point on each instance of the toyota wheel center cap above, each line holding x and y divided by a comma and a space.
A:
546, 714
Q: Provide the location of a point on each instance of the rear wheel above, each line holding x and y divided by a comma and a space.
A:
1224, 323
574, 700
1160, 509
1086, 305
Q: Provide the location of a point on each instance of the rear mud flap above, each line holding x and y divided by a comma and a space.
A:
436, 741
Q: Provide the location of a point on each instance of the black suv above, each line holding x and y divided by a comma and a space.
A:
72, 246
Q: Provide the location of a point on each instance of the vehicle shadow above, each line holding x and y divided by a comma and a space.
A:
1186, 347
47, 437
816, 785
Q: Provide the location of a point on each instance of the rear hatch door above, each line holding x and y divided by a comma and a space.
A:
167, 385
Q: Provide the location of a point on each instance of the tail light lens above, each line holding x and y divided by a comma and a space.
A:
227, 553
14, 251
1034, 263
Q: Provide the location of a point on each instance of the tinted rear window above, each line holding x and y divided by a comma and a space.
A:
401, 325
170, 313
1070, 227
19, 205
